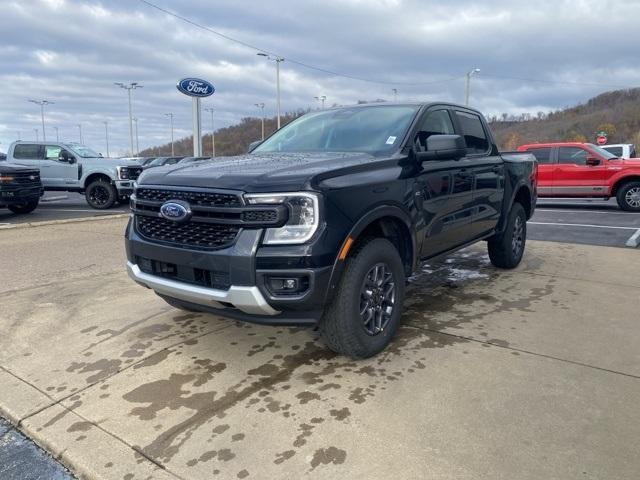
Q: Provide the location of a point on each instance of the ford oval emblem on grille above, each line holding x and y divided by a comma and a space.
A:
176, 211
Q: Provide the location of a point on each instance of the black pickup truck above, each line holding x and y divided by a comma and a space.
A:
20, 188
323, 222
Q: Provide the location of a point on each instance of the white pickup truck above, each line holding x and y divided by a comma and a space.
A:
621, 150
72, 167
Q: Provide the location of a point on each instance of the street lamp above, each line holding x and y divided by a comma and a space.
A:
128, 88
261, 107
80, 132
170, 115
106, 135
213, 134
42, 103
395, 94
135, 120
57, 135
36, 130
470, 74
278, 60
321, 98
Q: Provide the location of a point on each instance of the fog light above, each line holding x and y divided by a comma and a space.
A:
288, 285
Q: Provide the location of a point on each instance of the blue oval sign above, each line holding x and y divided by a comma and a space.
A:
195, 87
176, 211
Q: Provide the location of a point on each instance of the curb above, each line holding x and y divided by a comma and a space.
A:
61, 222
634, 240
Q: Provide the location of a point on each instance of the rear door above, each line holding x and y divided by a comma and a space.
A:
574, 178
486, 168
29, 155
444, 190
546, 168
59, 174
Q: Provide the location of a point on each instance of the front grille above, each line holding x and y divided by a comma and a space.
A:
134, 172
190, 234
24, 178
184, 273
265, 216
203, 199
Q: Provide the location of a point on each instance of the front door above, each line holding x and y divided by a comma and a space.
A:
574, 178
59, 174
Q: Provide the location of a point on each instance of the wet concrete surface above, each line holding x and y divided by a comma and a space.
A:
532, 373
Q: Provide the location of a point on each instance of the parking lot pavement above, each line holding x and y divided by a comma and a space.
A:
590, 222
59, 206
528, 374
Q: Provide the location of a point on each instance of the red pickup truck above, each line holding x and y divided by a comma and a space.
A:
585, 170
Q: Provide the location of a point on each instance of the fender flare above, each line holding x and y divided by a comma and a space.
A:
364, 221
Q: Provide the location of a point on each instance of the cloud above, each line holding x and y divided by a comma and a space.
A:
71, 52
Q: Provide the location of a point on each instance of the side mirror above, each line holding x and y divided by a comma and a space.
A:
443, 147
593, 161
64, 156
253, 145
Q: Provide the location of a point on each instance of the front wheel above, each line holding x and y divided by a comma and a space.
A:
506, 249
101, 194
628, 197
24, 208
364, 316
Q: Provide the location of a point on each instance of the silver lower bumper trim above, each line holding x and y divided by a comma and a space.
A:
247, 299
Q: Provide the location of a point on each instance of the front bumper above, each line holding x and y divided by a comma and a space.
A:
19, 196
125, 187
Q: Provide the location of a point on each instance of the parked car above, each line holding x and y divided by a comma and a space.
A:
621, 150
577, 170
3, 156
75, 168
20, 188
161, 161
323, 222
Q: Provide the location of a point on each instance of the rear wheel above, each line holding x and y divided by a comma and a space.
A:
101, 194
24, 208
506, 250
364, 316
628, 197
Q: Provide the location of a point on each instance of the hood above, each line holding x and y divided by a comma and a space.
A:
116, 162
13, 168
627, 162
254, 172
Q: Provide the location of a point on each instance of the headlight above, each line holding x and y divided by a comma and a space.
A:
123, 173
6, 178
303, 216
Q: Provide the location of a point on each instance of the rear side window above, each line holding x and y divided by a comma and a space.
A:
573, 155
473, 133
543, 155
27, 152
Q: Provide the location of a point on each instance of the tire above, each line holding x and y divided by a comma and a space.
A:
506, 250
24, 208
355, 323
101, 194
628, 197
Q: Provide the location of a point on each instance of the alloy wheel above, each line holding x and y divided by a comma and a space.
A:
632, 197
377, 298
517, 241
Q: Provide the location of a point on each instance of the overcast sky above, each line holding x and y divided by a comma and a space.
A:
71, 52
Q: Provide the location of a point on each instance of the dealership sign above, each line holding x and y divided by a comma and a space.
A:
195, 87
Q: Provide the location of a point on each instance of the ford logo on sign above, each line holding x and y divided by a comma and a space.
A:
176, 211
195, 87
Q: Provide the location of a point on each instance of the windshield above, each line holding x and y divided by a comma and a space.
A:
84, 152
371, 129
602, 151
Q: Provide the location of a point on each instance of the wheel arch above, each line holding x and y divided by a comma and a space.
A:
621, 181
96, 176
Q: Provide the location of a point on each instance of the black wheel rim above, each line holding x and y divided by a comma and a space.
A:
517, 241
99, 195
377, 299
632, 197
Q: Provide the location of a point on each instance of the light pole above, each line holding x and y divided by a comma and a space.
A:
18, 132
395, 94
106, 135
57, 135
213, 134
170, 115
321, 98
135, 121
278, 60
470, 74
42, 103
36, 130
261, 107
128, 88
80, 132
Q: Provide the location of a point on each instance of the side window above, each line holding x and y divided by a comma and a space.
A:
27, 152
617, 151
51, 152
437, 122
543, 155
473, 133
574, 155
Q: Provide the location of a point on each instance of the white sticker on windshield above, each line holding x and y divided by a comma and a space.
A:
391, 140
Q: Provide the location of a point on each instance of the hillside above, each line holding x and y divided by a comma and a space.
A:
616, 112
